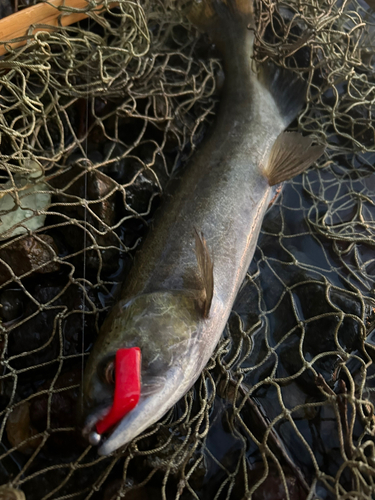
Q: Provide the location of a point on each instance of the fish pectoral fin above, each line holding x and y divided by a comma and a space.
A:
291, 154
206, 269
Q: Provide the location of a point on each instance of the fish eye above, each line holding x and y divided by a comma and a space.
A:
109, 373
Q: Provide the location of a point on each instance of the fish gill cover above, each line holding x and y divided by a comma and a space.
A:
94, 120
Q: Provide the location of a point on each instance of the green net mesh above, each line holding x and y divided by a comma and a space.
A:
94, 120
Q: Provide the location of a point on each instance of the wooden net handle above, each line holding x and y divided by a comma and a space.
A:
17, 25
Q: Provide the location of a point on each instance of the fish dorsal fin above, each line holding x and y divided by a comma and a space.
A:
206, 269
291, 154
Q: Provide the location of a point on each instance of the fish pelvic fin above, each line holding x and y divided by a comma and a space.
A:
291, 154
206, 269
215, 17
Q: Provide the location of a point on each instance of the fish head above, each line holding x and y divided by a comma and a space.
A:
162, 328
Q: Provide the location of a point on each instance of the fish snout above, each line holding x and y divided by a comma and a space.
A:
109, 399
91, 411
151, 407
92, 406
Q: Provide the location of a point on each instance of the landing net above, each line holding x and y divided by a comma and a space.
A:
94, 120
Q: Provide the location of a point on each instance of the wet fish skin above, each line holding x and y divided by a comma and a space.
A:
224, 193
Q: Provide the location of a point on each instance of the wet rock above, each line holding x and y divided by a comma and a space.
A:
273, 488
10, 493
27, 255
48, 472
6, 8
39, 337
19, 429
36, 340
145, 492
141, 192
119, 166
59, 412
142, 173
11, 304
171, 452
19, 213
112, 489
101, 106
10, 465
91, 220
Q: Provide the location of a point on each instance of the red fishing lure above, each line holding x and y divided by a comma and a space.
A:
127, 387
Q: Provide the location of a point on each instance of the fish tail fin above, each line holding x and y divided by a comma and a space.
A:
215, 17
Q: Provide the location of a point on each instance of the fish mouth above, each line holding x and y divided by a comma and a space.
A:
126, 381
90, 424
149, 409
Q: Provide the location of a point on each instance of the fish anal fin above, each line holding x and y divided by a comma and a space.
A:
291, 154
206, 268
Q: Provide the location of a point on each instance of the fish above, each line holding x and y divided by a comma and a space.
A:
177, 298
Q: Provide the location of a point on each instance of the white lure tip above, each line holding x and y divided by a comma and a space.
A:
94, 438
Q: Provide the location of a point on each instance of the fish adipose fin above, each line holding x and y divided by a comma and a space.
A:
206, 269
291, 154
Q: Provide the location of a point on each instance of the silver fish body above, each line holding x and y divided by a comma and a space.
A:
224, 193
